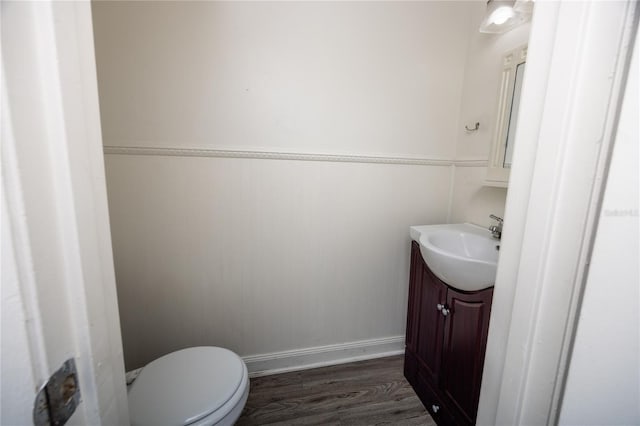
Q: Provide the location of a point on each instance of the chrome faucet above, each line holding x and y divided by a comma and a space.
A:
496, 230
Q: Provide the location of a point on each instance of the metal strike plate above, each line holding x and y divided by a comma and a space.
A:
59, 397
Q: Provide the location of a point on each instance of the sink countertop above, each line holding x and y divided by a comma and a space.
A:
417, 230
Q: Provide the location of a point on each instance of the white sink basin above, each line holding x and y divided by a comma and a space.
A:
464, 256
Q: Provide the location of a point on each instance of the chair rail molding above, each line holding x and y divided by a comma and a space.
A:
297, 156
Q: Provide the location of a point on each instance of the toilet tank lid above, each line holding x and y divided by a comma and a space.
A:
184, 386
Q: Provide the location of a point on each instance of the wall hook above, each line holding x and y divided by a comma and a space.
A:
473, 129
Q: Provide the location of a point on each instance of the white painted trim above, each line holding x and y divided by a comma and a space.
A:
470, 162
322, 356
574, 79
28, 326
298, 156
58, 207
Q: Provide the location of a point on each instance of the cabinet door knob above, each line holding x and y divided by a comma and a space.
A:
445, 311
435, 408
439, 306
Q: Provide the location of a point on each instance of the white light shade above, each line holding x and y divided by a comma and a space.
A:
501, 15
504, 15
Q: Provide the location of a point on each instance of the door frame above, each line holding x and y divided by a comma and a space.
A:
60, 280
578, 59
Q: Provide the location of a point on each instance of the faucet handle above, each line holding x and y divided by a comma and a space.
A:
496, 230
494, 217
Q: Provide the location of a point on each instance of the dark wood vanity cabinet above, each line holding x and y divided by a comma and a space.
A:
445, 344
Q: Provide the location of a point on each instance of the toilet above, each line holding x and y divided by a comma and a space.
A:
200, 386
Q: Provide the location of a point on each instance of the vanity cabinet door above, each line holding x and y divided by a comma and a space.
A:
465, 340
430, 324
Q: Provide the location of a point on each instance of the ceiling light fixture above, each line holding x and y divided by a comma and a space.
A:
504, 15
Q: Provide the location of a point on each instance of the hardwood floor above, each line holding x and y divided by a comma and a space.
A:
371, 392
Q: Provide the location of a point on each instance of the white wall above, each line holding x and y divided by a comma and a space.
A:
473, 202
265, 252
305, 77
603, 384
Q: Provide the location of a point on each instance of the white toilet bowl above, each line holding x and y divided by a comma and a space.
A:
200, 386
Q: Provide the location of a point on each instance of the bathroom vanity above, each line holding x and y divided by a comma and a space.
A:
445, 341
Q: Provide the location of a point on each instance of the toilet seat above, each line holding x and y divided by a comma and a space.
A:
199, 385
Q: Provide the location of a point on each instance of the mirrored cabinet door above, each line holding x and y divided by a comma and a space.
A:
504, 140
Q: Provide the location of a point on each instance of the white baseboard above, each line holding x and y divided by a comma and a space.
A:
322, 356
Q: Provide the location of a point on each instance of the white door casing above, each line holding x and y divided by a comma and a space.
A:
58, 284
577, 63
603, 380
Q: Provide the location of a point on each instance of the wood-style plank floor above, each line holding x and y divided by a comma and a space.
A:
371, 392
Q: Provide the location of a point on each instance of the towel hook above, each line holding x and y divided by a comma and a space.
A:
473, 129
